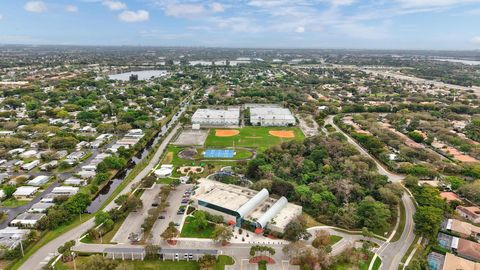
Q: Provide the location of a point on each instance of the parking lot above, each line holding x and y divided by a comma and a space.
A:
170, 214
133, 222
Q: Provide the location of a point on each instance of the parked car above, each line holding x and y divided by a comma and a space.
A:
161, 217
176, 256
190, 256
185, 256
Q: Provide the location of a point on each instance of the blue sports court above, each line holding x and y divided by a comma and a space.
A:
218, 153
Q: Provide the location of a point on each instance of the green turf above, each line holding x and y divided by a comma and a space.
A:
250, 137
189, 230
334, 239
12, 202
401, 224
262, 265
222, 261
377, 263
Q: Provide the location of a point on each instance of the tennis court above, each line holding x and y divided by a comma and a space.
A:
218, 153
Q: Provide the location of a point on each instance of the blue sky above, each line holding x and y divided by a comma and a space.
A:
371, 24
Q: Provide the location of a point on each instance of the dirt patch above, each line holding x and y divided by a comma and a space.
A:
188, 153
226, 132
282, 133
168, 158
190, 169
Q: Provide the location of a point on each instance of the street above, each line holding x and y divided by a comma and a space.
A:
392, 252
36, 259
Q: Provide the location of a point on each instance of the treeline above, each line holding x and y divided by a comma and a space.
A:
330, 179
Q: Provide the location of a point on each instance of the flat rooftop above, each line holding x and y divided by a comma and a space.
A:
228, 196
230, 113
233, 197
271, 113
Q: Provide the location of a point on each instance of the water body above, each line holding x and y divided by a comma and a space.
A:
108, 189
142, 75
462, 61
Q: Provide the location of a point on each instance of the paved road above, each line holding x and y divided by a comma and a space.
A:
348, 239
35, 261
14, 212
391, 252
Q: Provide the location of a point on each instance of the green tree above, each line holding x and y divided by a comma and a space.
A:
9, 190
222, 234
296, 230
200, 220
207, 262
427, 220
373, 215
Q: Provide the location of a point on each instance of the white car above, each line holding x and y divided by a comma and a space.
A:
176, 256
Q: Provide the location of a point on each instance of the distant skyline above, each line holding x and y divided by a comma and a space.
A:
349, 24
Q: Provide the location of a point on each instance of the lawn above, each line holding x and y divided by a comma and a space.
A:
12, 203
189, 230
171, 157
156, 264
262, 265
334, 239
362, 265
107, 238
377, 263
251, 137
401, 224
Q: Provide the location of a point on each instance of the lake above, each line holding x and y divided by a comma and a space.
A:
466, 62
142, 75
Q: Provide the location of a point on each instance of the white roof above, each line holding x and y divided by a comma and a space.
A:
39, 180
231, 113
63, 189
25, 191
270, 113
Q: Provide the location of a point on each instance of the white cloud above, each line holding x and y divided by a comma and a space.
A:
35, 6
217, 7
476, 40
134, 16
184, 10
342, 2
300, 29
114, 5
71, 8
433, 3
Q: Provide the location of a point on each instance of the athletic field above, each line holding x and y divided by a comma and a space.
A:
259, 138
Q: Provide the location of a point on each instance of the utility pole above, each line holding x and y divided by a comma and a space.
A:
74, 264
21, 248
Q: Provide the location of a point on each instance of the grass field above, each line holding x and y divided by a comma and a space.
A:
12, 202
189, 230
222, 260
251, 137
334, 239
362, 265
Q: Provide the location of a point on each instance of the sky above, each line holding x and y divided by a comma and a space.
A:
352, 24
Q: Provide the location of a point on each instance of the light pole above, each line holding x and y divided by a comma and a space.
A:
21, 248
74, 264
